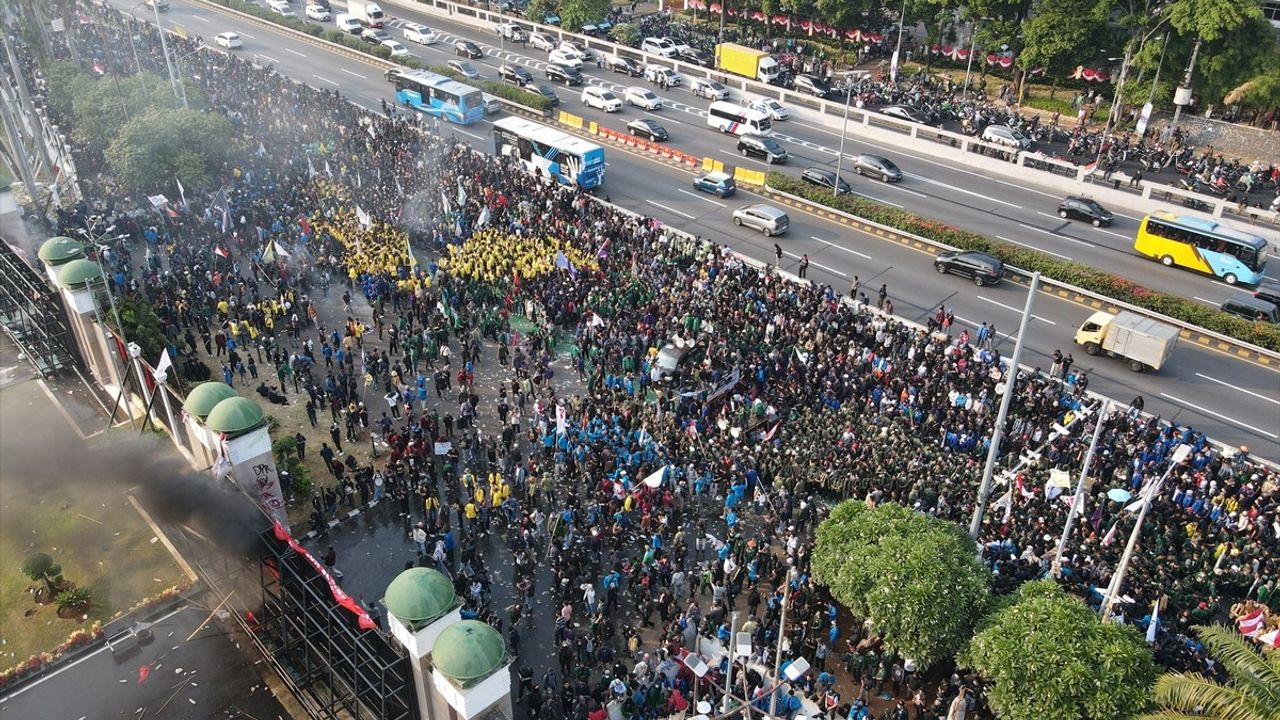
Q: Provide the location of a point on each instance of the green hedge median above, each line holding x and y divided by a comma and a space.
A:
1073, 273
293, 23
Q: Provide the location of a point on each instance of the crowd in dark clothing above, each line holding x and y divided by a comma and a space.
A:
676, 494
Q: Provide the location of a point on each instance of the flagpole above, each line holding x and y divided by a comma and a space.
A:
1077, 500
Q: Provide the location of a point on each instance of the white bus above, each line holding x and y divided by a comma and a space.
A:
549, 152
732, 118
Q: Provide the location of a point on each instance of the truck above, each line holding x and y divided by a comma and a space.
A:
742, 60
368, 13
1144, 343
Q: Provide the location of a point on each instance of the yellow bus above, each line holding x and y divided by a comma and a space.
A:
1203, 245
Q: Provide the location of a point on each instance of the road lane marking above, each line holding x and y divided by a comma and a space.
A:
353, 73
830, 244
324, 79
1032, 247
1260, 396
245, 34
1113, 232
897, 186
1016, 310
201, 18
873, 197
1056, 235
295, 52
962, 190
1051, 216
1206, 301
670, 209
1220, 416
464, 132
817, 265
701, 196
667, 117
268, 58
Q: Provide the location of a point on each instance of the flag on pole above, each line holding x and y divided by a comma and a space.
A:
1111, 534
769, 435
162, 367
1096, 519
1154, 627
444, 202
408, 250
603, 252
311, 168
462, 196
262, 149
372, 134
221, 251
399, 187
562, 425
365, 220
268, 254
562, 260
280, 251
484, 217
327, 171
182, 192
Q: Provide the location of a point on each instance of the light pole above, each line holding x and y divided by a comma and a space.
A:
1077, 500
973, 44
1149, 491
1151, 97
164, 49
1182, 97
777, 660
897, 51
844, 130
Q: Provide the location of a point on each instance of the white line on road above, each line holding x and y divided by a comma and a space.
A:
268, 58
817, 265
245, 34
464, 132
1005, 335
324, 79
966, 192
1260, 396
670, 209
1220, 416
1016, 310
667, 117
700, 196
1033, 247
898, 186
872, 197
295, 52
201, 18
830, 244
353, 73
1051, 216
1206, 301
1113, 232
1054, 234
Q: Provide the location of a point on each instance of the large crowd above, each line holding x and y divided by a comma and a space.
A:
362, 257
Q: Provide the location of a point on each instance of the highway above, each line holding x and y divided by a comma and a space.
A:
1232, 400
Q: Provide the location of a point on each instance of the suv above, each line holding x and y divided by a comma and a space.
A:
716, 183
1251, 308
510, 31
661, 47
564, 74
765, 148
515, 75
1269, 290
765, 218
601, 98
566, 57
626, 65
981, 268
709, 89
693, 55
542, 41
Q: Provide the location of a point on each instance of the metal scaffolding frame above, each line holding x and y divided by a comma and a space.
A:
344, 671
31, 314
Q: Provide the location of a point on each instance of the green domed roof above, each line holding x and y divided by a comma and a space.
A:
204, 397
78, 272
468, 651
419, 595
234, 416
58, 250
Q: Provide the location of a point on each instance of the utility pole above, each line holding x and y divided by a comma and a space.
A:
728, 673
897, 51
844, 130
1077, 500
168, 62
777, 660
997, 434
1182, 97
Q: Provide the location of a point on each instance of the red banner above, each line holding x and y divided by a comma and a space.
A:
339, 595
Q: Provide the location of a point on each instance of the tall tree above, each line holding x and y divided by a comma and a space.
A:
1252, 690
1052, 659
159, 145
1211, 19
916, 578
1061, 34
576, 13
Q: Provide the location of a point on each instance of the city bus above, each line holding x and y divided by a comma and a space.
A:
1203, 245
549, 152
731, 118
438, 95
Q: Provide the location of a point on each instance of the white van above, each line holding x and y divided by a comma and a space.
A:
349, 23
281, 7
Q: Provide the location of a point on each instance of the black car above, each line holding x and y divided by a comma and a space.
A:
1085, 209
905, 112
981, 268
625, 65
545, 91
564, 74
374, 36
648, 129
515, 75
826, 179
1268, 290
467, 49
693, 55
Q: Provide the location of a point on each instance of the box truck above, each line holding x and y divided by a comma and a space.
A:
742, 60
1144, 343
368, 13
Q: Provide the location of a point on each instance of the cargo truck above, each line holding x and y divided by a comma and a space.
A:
1144, 343
368, 13
742, 60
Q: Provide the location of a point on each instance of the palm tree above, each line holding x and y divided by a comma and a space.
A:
1251, 693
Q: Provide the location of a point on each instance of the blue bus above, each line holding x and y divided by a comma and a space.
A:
1204, 245
549, 152
438, 96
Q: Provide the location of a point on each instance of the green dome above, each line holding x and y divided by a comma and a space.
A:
419, 595
204, 397
58, 250
234, 416
77, 273
468, 651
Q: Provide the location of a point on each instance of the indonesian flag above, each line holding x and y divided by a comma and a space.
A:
1272, 639
769, 435
1250, 625
221, 251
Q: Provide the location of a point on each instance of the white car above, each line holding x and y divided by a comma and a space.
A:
642, 98
679, 46
772, 108
228, 40
577, 48
662, 75
397, 48
318, 12
281, 7
709, 89
421, 34
602, 99
542, 41
510, 31
1005, 135
560, 56
661, 47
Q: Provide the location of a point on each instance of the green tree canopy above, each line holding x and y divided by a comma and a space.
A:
1251, 693
1211, 19
1061, 34
917, 578
576, 13
158, 145
142, 326
1052, 659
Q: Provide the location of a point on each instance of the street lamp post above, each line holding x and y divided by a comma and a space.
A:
1077, 500
844, 130
168, 62
897, 51
1183, 97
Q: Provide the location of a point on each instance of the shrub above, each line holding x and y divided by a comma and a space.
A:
292, 23
74, 599
1073, 273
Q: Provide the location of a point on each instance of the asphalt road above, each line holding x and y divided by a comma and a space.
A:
1232, 400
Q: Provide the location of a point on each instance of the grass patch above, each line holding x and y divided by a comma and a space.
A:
1060, 104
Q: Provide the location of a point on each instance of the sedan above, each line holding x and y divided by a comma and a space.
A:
878, 167
772, 108
648, 129
375, 36
812, 85
905, 112
397, 48
981, 268
464, 68
545, 91
625, 65
228, 40
565, 74
467, 49
515, 75
693, 55
826, 179
318, 12
1085, 209
709, 89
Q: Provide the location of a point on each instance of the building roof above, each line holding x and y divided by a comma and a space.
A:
76, 273
419, 595
58, 250
468, 651
235, 415
204, 397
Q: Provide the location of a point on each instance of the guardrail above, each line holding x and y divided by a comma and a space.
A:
1200, 336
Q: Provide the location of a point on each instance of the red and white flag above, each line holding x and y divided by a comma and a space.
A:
1111, 535
769, 435
1251, 624
1271, 639
221, 251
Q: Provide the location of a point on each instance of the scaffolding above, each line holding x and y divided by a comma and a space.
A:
31, 314
343, 671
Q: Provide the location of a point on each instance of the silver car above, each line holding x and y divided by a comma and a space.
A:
765, 218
